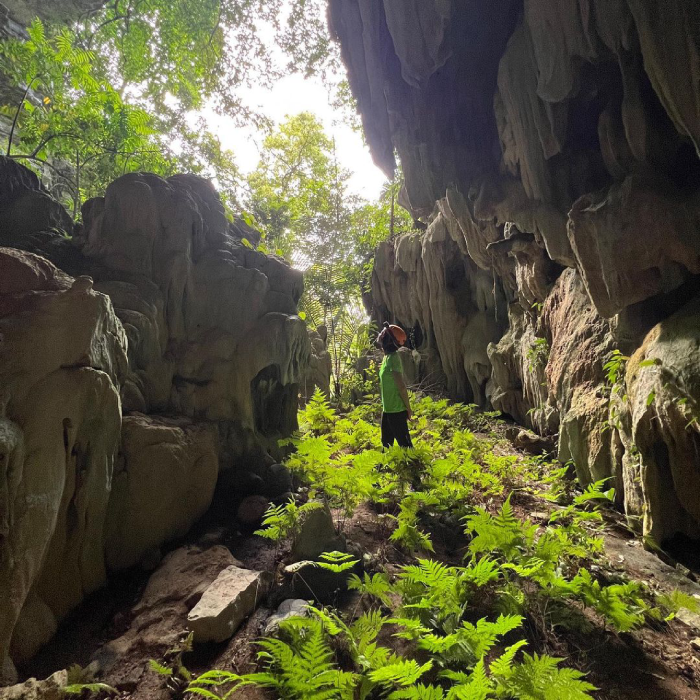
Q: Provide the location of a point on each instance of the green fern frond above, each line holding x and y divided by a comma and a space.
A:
404, 672
337, 562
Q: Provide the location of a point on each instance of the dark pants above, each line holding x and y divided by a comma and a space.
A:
395, 427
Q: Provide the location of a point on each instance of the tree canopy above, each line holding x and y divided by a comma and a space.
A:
299, 197
117, 90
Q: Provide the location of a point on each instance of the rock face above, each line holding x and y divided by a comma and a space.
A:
551, 150
139, 361
429, 287
320, 369
25, 11
158, 621
316, 534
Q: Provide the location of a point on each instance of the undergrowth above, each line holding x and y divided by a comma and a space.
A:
470, 627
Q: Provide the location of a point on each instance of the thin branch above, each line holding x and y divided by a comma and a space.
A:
68, 180
44, 141
17, 111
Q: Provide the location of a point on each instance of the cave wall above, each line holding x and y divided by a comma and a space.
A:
145, 354
558, 141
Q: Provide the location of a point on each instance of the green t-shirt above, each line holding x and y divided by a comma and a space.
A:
391, 399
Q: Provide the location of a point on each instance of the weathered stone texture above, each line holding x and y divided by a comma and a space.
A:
159, 310
229, 599
544, 135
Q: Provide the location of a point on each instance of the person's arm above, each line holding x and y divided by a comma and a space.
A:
403, 391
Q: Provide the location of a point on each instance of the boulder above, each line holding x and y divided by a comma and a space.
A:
62, 358
158, 621
163, 483
320, 368
663, 385
252, 510
224, 605
166, 319
316, 534
278, 480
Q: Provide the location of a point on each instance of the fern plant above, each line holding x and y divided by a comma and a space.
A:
284, 520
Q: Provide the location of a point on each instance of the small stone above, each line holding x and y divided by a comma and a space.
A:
82, 284
294, 607
232, 597
252, 510
532, 443
213, 536
695, 643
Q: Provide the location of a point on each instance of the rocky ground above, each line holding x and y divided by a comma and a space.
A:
144, 615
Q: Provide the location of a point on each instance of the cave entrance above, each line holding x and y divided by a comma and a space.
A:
274, 404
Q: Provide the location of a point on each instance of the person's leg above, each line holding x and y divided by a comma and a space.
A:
387, 432
403, 435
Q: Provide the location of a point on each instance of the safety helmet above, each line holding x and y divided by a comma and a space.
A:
399, 334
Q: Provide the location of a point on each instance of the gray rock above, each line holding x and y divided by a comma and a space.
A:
305, 579
249, 483
252, 509
316, 535
287, 609
227, 602
32, 689
213, 537
279, 480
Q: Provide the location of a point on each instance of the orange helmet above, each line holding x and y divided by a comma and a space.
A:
399, 334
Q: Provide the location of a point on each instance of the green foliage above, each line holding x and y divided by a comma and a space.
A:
460, 628
540, 678
283, 521
116, 92
81, 688
318, 416
80, 682
614, 368
408, 532
538, 354
337, 562
299, 196
376, 586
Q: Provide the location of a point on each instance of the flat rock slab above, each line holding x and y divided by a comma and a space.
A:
631, 556
227, 602
50, 689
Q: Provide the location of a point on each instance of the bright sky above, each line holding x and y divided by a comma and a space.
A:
291, 95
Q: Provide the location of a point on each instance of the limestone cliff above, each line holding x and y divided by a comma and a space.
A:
551, 147
143, 354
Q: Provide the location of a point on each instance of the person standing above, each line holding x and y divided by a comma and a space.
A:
396, 407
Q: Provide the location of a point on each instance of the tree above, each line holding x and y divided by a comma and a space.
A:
115, 92
379, 221
289, 188
299, 197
